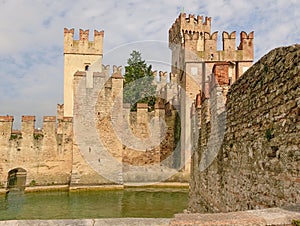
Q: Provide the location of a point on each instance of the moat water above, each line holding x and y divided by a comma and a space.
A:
146, 203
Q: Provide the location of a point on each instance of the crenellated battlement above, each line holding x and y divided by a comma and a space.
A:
163, 77
244, 35
6, 118
141, 106
206, 46
106, 69
49, 119
79, 55
194, 35
142, 113
117, 72
105, 72
110, 84
27, 129
28, 121
226, 35
83, 45
28, 118
246, 44
229, 41
188, 25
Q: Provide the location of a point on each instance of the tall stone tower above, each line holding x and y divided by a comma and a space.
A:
194, 53
79, 55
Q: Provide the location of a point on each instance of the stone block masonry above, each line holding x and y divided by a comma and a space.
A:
109, 140
60, 152
79, 55
166, 143
194, 53
43, 154
258, 164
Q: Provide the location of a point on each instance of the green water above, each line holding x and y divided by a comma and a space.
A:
161, 203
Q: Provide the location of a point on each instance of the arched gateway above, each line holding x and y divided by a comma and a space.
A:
16, 179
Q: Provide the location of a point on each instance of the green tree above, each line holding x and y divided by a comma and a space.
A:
138, 82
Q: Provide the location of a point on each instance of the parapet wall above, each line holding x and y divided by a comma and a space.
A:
83, 45
195, 36
188, 24
103, 126
59, 152
206, 45
258, 163
43, 153
152, 141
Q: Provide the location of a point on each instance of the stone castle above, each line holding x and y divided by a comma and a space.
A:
248, 152
96, 140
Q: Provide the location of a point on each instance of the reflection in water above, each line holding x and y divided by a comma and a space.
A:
3, 202
13, 202
100, 204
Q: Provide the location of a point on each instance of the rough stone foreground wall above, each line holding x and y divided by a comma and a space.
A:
258, 164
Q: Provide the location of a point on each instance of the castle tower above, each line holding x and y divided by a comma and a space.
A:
194, 53
79, 55
186, 38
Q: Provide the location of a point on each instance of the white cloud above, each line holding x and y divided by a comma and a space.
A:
31, 37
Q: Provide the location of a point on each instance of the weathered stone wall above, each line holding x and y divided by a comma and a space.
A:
109, 138
88, 150
194, 53
44, 154
154, 133
79, 54
97, 145
258, 164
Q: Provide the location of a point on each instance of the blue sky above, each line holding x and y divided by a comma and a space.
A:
31, 38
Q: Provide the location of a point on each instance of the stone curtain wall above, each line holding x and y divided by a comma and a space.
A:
112, 144
92, 147
258, 165
162, 137
88, 152
44, 154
